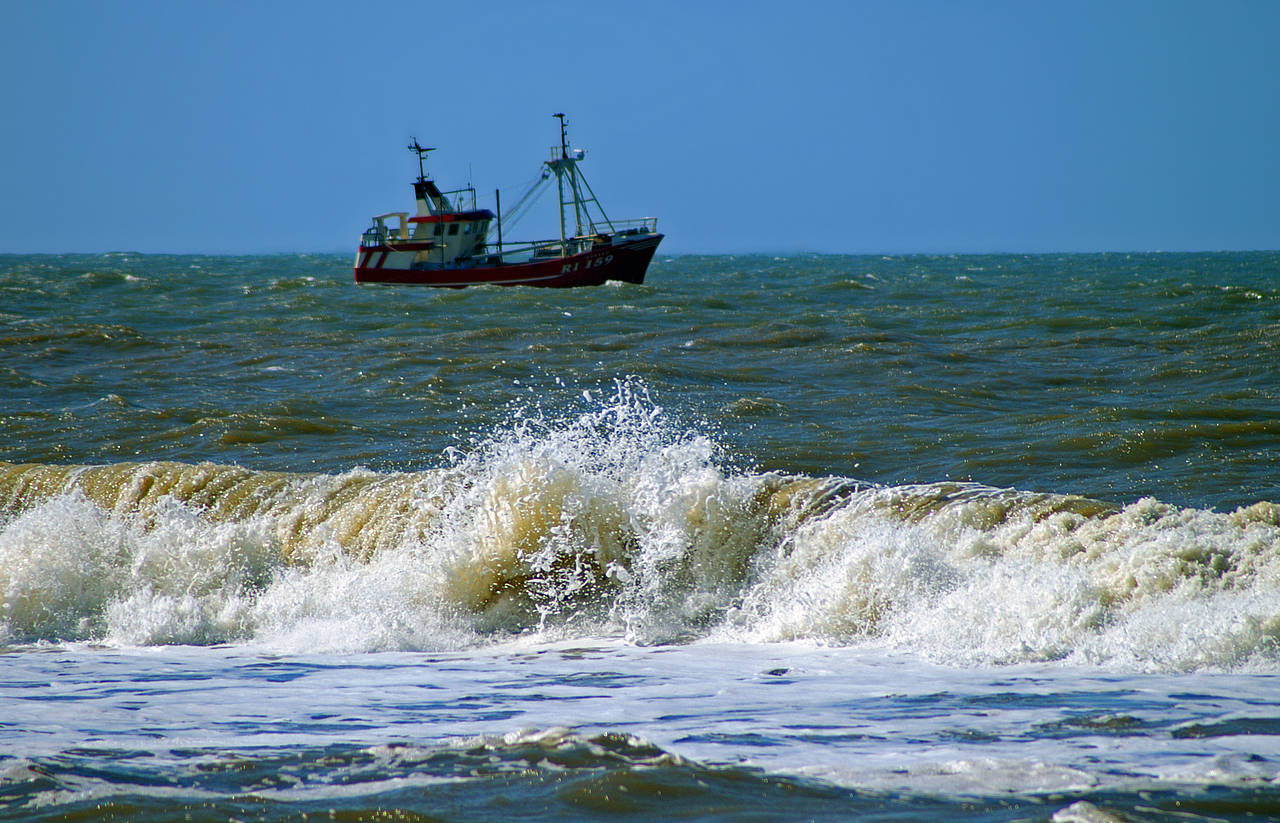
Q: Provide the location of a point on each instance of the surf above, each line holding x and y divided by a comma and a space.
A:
620, 522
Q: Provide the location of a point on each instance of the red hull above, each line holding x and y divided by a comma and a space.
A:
625, 261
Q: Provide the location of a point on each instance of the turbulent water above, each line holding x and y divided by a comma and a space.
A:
815, 537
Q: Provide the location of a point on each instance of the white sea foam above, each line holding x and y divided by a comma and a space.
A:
71, 571
975, 575
619, 522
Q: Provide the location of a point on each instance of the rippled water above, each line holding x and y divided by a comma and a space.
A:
985, 537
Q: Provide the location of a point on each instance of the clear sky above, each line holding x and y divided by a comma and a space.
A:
877, 127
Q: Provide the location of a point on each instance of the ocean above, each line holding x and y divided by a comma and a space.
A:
809, 537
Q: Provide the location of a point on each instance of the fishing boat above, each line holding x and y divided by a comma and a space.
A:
447, 241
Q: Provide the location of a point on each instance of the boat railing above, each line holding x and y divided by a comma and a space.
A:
545, 249
374, 236
526, 249
637, 225
464, 199
380, 232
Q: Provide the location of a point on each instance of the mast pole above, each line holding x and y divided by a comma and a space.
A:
559, 167
560, 195
572, 165
578, 208
497, 202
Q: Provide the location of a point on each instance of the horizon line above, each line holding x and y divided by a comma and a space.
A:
752, 253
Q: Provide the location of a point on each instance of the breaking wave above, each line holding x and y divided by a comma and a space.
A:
619, 522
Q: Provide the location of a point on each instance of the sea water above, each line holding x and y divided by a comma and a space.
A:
767, 538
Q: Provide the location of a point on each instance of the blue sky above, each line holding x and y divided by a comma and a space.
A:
876, 127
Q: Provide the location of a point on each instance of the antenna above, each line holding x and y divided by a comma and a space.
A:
422, 152
564, 138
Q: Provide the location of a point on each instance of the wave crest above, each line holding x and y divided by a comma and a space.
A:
618, 521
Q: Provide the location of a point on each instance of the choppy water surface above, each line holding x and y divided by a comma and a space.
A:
989, 538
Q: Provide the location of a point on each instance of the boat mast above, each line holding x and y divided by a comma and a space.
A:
559, 168
571, 165
567, 163
422, 153
497, 205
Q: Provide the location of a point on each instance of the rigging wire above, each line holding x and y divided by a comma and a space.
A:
526, 200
